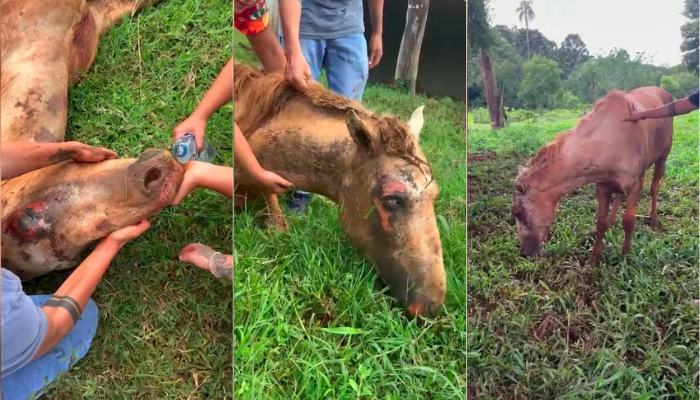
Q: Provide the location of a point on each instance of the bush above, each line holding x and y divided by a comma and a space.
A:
566, 100
670, 85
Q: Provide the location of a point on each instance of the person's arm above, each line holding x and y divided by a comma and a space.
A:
678, 107
220, 93
63, 309
376, 12
18, 158
297, 70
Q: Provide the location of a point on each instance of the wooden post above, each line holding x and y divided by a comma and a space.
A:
409, 52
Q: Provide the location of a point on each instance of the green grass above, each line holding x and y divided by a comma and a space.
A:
165, 329
310, 323
555, 328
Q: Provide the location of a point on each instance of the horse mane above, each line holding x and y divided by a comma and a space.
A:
267, 94
548, 153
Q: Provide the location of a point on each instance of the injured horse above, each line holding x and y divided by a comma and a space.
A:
603, 150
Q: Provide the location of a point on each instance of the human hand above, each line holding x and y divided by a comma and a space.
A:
83, 153
128, 233
194, 124
297, 71
375, 50
271, 182
191, 179
634, 117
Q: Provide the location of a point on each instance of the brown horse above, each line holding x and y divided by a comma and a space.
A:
603, 150
370, 165
51, 215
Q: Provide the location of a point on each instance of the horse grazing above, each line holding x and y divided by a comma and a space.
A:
370, 165
603, 150
51, 215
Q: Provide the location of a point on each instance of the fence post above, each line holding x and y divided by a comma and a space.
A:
409, 52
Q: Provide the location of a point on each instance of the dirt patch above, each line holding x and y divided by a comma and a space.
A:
572, 330
481, 157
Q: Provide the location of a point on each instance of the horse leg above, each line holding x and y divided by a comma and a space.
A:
244, 196
628, 219
615, 208
603, 194
659, 170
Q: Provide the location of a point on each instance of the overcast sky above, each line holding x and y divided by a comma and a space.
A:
653, 27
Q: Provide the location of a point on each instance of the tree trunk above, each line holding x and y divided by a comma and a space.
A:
527, 38
409, 52
491, 92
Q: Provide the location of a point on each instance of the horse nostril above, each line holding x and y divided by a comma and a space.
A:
152, 175
432, 309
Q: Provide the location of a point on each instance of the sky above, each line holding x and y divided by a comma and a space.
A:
649, 26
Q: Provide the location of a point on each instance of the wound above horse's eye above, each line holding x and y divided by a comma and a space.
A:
394, 201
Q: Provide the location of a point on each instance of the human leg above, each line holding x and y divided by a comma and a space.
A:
33, 377
347, 65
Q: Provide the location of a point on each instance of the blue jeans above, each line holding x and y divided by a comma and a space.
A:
345, 61
33, 377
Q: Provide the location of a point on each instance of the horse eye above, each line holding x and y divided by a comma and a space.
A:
394, 201
520, 188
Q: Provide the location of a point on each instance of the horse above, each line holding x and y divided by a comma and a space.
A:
370, 165
601, 149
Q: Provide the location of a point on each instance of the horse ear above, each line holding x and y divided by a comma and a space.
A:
415, 124
521, 169
359, 131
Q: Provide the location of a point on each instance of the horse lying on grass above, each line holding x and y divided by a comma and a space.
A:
371, 166
603, 150
51, 215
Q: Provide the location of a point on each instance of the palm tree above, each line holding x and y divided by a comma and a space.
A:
525, 11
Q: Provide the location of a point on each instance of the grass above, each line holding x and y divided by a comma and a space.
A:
555, 328
310, 323
165, 329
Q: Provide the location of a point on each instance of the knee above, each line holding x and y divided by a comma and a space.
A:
601, 225
628, 223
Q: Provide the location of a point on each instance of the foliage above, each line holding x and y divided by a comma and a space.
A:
595, 78
478, 32
518, 39
687, 81
541, 82
670, 85
572, 53
691, 36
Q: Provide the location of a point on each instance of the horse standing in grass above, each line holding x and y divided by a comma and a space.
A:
371, 166
603, 150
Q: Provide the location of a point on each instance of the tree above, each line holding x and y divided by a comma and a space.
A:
595, 78
526, 12
523, 39
541, 82
572, 53
670, 85
479, 38
687, 81
691, 36
409, 51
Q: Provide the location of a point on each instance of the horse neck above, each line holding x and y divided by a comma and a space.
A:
317, 159
575, 165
